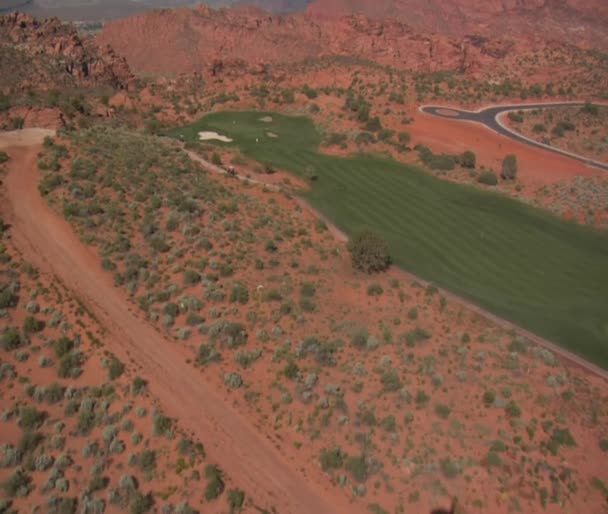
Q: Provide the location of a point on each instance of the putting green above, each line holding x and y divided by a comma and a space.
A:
521, 263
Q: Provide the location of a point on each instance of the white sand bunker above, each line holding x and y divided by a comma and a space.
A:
208, 136
272, 135
266, 119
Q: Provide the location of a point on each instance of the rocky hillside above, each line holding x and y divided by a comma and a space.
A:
186, 41
579, 22
43, 55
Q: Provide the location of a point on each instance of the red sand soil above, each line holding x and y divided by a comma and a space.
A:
536, 167
49, 243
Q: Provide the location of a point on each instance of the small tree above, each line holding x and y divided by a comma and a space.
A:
369, 252
468, 159
509, 167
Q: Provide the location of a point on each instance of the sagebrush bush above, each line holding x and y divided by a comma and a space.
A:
369, 252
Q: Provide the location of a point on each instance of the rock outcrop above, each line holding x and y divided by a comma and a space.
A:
50, 54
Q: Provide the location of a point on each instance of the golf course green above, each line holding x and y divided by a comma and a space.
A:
516, 261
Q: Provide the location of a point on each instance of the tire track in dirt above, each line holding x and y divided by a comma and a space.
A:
249, 457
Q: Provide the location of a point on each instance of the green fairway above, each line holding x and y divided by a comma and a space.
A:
516, 261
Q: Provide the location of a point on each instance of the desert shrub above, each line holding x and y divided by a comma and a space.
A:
215, 484
414, 336
11, 339
357, 467
291, 370
31, 325
336, 139
488, 398
389, 423
421, 398
10, 456
404, 137
17, 484
7, 298
115, 368
512, 410
162, 425
591, 109
359, 337
365, 138
443, 411
246, 359
390, 380
307, 289
139, 385
332, 458
468, 159
216, 159
373, 124
539, 128
449, 468
236, 498
29, 441
30, 418
487, 178
54, 393
369, 252
441, 162
516, 117
509, 167
228, 333
69, 365
375, 290
191, 277
239, 293
62, 346
141, 503
98, 483
309, 92
207, 354
560, 437
146, 460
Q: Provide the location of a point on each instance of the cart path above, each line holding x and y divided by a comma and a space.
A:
491, 118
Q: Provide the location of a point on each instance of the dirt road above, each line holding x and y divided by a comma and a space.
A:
248, 457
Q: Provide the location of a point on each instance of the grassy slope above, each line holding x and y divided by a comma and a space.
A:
521, 263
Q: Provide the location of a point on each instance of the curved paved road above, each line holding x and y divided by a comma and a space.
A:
489, 117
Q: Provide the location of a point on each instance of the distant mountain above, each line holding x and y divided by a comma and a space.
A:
579, 22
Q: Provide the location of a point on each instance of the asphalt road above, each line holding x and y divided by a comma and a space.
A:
489, 118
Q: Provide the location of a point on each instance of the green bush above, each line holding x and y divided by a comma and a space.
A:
357, 467
390, 380
488, 398
3, 157
509, 167
487, 178
512, 410
18, 484
375, 290
215, 484
30, 418
115, 368
236, 498
141, 503
443, 411
369, 252
239, 293
332, 458
31, 325
468, 159
11, 339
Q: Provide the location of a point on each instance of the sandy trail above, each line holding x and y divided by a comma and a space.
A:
247, 456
